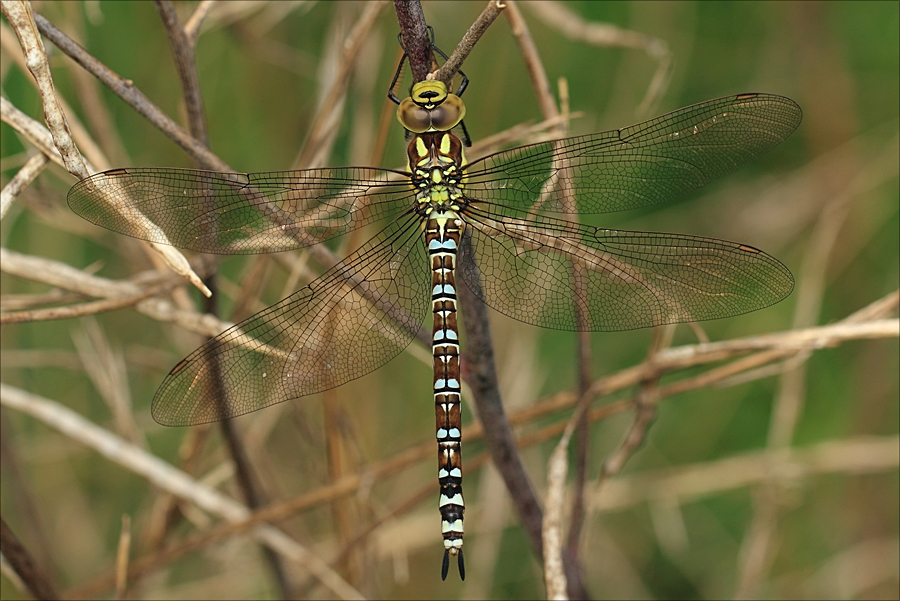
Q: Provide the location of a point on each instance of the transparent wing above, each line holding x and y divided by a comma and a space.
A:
352, 320
239, 213
540, 271
636, 166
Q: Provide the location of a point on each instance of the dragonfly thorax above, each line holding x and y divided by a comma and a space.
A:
435, 166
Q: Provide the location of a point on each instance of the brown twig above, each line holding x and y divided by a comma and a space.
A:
66, 277
414, 37
23, 564
186, 66
491, 11
533, 64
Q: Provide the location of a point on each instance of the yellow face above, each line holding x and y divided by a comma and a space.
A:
430, 108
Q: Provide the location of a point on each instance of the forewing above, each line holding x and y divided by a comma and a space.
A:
239, 213
352, 320
541, 271
636, 166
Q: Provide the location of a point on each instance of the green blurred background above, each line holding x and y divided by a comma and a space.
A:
825, 203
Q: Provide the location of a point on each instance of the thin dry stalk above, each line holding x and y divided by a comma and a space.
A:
168, 478
122, 554
23, 565
532, 59
186, 66
166, 508
559, 17
42, 138
456, 59
83, 139
33, 131
195, 22
66, 277
106, 369
128, 92
20, 181
18, 14
317, 145
90, 308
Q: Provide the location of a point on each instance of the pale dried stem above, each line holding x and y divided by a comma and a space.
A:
315, 148
684, 483
18, 14
33, 131
20, 181
64, 276
195, 22
41, 138
123, 552
559, 17
456, 59
167, 477
532, 59
552, 525
83, 139
106, 369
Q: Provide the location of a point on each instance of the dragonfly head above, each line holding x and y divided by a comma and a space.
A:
430, 107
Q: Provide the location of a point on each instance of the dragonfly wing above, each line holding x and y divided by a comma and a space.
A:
352, 320
239, 213
636, 166
540, 271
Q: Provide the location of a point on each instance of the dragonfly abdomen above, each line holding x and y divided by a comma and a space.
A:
442, 236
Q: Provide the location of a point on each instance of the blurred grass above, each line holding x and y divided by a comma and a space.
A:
261, 81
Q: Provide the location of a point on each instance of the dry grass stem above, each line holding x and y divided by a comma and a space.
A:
122, 554
167, 477
533, 64
83, 139
685, 483
128, 92
18, 14
567, 22
456, 59
195, 22
105, 366
66, 277
41, 137
20, 181
552, 526
33, 131
316, 147
186, 66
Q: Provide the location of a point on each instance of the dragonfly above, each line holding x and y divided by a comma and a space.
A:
501, 223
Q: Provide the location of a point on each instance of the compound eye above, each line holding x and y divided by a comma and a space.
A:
413, 117
448, 115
